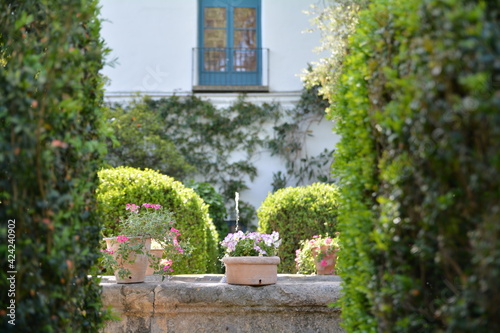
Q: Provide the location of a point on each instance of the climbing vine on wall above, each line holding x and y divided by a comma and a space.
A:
290, 140
222, 143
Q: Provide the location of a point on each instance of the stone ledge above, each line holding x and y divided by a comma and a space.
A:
205, 303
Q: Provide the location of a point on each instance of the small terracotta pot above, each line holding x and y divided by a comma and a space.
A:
140, 261
157, 253
327, 265
252, 271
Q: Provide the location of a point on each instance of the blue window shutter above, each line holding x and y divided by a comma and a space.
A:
224, 63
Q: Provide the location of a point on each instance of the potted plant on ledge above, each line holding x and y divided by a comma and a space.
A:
318, 254
128, 255
250, 258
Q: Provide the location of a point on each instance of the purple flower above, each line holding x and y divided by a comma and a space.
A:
242, 243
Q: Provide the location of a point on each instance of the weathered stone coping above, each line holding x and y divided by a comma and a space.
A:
205, 303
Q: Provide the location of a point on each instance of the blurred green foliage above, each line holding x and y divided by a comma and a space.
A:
123, 185
419, 168
50, 150
298, 213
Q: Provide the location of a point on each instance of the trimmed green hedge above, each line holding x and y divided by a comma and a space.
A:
50, 150
124, 185
419, 166
298, 213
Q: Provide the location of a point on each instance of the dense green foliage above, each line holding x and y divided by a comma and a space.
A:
140, 142
50, 151
215, 201
298, 213
124, 185
419, 167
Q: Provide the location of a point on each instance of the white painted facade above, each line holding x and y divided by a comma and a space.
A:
152, 42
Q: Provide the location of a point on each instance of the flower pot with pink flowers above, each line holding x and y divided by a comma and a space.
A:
128, 255
318, 255
165, 256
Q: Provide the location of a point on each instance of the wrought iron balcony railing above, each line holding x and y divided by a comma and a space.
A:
230, 69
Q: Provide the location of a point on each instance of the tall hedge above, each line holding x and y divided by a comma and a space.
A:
50, 151
123, 185
298, 213
419, 163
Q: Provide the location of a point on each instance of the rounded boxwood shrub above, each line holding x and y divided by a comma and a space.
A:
123, 185
298, 213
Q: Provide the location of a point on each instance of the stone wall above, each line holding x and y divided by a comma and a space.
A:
205, 303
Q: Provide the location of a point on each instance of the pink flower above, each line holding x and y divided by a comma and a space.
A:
122, 239
324, 263
175, 231
328, 241
180, 250
109, 251
59, 144
151, 205
131, 207
167, 263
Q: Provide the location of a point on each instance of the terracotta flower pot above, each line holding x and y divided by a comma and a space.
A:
253, 271
157, 253
326, 264
140, 261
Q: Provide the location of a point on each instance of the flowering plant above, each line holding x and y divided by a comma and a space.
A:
145, 221
315, 249
252, 244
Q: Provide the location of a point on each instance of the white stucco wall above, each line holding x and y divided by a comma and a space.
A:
152, 43
283, 26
